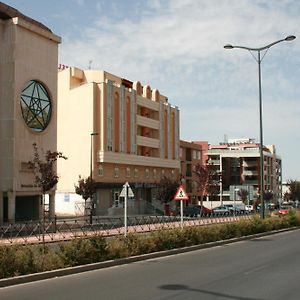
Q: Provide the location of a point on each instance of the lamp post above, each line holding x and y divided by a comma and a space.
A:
259, 60
234, 200
91, 176
91, 158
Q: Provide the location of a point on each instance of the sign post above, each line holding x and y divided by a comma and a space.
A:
182, 196
126, 192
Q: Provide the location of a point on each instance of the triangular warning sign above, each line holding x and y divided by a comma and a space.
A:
181, 194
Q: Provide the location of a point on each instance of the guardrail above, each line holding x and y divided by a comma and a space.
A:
66, 229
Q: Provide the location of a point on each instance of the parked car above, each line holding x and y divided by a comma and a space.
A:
236, 209
284, 209
195, 211
221, 210
191, 211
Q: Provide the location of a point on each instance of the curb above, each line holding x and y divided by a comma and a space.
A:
122, 261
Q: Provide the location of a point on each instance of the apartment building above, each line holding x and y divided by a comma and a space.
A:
238, 162
191, 154
116, 131
28, 87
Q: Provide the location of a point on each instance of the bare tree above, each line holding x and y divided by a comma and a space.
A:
45, 173
243, 194
201, 173
44, 169
208, 180
167, 189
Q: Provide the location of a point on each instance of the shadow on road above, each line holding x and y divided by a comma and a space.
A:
182, 287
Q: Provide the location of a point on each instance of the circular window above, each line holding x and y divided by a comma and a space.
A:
35, 105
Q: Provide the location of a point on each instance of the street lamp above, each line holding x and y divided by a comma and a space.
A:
91, 177
259, 60
91, 158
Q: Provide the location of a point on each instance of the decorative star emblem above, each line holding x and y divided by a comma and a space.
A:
36, 106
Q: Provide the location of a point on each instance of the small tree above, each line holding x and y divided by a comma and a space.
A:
45, 174
294, 190
201, 173
44, 170
167, 189
86, 188
243, 194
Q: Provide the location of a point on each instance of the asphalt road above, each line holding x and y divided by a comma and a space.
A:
263, 268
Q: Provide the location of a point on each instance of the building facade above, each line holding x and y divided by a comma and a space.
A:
28, 92
190, 156
116, 131
238, 162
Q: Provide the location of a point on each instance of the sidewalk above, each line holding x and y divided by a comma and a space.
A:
66, 235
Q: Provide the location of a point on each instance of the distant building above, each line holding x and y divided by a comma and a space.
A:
28, 87
117, 131
238, 162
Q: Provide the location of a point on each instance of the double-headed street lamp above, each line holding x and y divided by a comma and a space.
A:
259, 60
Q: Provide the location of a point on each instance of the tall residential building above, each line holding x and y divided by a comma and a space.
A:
28, 87
117, 131
238, 162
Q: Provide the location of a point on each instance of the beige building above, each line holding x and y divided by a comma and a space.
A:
117, 131
28, 87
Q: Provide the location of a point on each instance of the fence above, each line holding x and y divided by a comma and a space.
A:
67, 229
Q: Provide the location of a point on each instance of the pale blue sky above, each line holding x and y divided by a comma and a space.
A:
176, 46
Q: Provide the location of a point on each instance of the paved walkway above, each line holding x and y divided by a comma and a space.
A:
92, 230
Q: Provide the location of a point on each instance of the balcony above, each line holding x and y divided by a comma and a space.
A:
136, 160
144, 102
147, 122
147, 142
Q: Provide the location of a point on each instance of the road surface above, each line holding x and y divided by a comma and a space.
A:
262, 268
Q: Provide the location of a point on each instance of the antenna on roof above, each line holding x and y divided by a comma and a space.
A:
90, 64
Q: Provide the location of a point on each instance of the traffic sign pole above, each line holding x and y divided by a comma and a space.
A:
125, 208
181, 213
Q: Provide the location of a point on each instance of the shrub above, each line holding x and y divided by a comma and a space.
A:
47, 259
15, 260
83, 251
19, 260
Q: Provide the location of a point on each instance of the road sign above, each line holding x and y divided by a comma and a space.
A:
127, 187
181, 194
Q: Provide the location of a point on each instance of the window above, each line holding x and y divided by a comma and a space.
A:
172, 173
127, 172
100, 171
154, 173
136, 172
147, 173
198, 154
36, 106
194, 154
117, 172
162, 173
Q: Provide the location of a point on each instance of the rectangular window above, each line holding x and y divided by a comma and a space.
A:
100, 171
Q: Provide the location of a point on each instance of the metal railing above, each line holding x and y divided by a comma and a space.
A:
66, 229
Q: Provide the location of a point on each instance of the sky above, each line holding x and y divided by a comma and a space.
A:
177, 47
